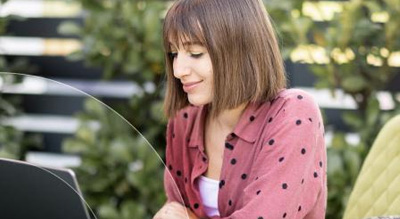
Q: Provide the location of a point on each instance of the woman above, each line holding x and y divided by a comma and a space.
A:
239, 144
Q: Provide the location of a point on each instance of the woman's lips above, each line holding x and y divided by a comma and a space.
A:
187, 87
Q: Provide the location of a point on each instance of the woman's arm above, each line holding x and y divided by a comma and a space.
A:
174, 210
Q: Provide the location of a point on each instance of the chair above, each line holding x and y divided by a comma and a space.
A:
377, 188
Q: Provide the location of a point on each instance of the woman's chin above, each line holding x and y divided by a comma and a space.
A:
198, 101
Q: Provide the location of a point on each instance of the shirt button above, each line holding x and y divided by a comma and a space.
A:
228, 146
221, 183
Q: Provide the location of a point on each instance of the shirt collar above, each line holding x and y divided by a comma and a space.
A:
249, 123
246, 129
197, 135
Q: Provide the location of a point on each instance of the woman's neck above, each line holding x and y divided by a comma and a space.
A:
228, 119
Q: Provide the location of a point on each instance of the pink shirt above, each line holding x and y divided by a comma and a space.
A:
274, 162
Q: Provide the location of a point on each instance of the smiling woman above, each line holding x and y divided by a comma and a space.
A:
192, 67
239, 144
241, 43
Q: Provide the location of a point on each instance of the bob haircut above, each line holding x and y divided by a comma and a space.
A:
239, 37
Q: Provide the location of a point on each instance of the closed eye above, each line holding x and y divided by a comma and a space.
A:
172, 55
196, 55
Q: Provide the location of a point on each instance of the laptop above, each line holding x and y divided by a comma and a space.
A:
31, 192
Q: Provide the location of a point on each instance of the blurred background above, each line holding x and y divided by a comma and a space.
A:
345, 53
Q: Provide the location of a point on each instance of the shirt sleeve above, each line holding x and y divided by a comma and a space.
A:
289, 171
171, 188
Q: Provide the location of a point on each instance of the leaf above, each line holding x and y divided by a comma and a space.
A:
107, 211
352, 160
373, 111
75, 56
353, 119
338, 141
335, 163
86, 134
69, 28
352, 84
130, 208
119, 151
74, 147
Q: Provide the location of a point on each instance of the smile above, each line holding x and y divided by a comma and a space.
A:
187, 87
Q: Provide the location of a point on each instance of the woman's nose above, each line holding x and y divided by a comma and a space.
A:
181, 66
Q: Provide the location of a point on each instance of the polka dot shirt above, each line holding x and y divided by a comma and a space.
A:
274, 161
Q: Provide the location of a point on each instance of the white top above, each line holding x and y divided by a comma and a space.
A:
209, 195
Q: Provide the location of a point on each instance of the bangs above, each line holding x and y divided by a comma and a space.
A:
181, 25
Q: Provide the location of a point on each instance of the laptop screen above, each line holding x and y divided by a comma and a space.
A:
28, 191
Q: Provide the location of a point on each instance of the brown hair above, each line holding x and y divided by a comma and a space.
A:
239, 37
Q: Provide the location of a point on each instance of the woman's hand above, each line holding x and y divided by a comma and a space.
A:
174, 210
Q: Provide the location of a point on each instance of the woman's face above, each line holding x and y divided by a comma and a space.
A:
192, 66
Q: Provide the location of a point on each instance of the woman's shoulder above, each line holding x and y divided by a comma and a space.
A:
293, 101
295, 96
293, 93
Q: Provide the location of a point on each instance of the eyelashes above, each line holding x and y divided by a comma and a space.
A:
196, 55
173, 55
